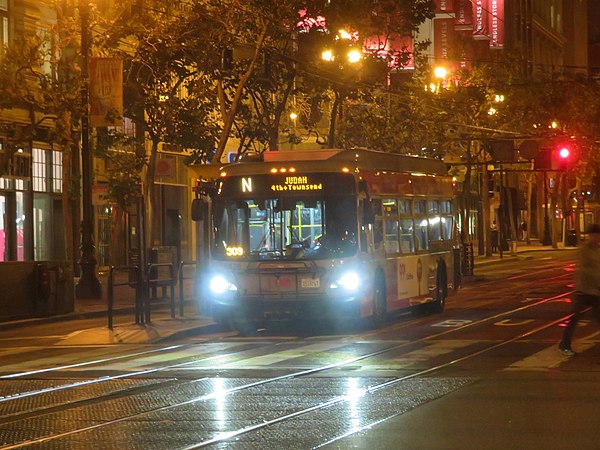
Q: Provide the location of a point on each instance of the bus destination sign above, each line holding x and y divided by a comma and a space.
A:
299, 183
278, 184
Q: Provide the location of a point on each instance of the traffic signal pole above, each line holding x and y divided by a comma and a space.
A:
546, 239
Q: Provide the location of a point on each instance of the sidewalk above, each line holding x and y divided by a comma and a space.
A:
89, 321
521, 251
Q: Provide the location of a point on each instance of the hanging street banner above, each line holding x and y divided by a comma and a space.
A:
106, 92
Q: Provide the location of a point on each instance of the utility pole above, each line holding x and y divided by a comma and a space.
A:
88, 286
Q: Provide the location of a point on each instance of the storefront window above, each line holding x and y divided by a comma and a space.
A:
20, 222
57, 171
42, 229
39, 170
3, 23
2, 228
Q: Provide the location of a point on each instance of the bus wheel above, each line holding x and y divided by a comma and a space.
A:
379, 304
222, 317
245, 327
441, 290
244, 322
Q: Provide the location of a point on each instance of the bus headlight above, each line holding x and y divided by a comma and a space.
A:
219, 285
349, 281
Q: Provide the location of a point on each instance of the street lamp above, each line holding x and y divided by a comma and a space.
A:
354, 56
440, 72
327, 55
88, 286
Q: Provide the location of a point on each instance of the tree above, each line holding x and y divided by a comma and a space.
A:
378, 29
166, 94
251, 27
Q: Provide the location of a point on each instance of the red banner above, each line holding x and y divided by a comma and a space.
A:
443, 37
480, 19
496, 16
106, 92
464, 15
396, 49
444, 5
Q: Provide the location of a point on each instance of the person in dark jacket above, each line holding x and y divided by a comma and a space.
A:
587, 286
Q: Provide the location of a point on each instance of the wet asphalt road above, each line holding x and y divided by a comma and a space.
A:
483, 374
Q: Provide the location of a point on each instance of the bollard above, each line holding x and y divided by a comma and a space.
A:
112, 284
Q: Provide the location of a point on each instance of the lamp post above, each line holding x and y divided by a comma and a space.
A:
88, 286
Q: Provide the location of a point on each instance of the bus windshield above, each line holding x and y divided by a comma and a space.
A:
285, 228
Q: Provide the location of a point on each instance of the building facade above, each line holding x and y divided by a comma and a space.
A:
31, 178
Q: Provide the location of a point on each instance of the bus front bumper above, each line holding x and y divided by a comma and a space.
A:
277, 307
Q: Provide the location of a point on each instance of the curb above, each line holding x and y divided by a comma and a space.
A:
11, 325
208, 328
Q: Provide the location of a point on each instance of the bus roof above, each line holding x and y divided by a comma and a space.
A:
325, 160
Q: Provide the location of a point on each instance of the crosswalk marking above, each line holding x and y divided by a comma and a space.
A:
308, 353
274, 358
429, 351
549, 358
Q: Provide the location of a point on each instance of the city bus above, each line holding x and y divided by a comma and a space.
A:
332, 234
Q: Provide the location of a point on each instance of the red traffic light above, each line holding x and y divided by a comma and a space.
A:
564, 152
563, 157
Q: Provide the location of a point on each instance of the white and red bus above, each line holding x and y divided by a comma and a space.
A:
329, 234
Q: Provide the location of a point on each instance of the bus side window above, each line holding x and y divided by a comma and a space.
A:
421, 232
447, 219
435, 233
378, 225
378, 232
407, 238
392, 244
364, 245
447, 228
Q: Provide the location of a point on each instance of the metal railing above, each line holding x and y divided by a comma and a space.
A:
156, 280
468, 261
182, 278
135, 284
146, 288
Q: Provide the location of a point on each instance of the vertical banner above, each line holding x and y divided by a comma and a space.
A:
444, 5
106, 92
480, 19
496, 23
443, 38
464, 15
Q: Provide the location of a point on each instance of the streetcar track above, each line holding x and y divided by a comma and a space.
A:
174, 347
251, 385
102, 379
368, 390
88, 363
307, 372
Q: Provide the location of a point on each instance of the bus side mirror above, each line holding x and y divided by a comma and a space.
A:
197, 209
368, 213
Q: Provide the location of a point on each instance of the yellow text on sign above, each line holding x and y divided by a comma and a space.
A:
234, 251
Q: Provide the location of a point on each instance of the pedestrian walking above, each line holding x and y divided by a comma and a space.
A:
524, 230
494, 236
587, 286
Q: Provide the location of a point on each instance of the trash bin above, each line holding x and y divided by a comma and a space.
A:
161, 255
571, 238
